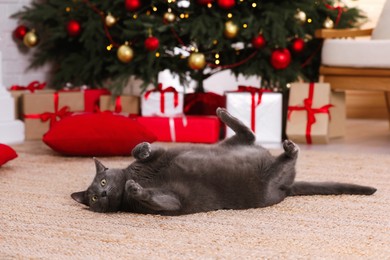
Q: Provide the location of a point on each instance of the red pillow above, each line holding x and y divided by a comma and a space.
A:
99, 134
6, 154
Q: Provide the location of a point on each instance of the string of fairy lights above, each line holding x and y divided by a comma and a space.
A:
175, 12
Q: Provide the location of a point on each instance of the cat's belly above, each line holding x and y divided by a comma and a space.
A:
232, 162
231, 179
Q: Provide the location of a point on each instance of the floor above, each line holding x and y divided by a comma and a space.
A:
362, 136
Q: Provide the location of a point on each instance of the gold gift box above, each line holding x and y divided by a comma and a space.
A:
327, 125
37, 104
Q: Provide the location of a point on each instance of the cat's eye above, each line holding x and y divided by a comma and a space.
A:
103, 182
94, 198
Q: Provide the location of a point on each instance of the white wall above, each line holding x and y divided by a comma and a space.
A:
372, 8
15, 62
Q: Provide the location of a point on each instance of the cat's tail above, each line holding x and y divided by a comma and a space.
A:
328, 188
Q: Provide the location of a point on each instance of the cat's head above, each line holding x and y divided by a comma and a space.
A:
106, 190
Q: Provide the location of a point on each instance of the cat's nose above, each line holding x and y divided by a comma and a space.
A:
104, 194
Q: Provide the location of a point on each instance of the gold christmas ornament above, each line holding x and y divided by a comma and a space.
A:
231, 30
300, 16
197, 61
110, 20
169, 17
125, 53
328, 23
30, 39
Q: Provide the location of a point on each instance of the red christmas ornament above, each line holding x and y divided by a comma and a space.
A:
73, 28
226, 4
258, 41
280, 59
132, 5
151, 43
204, 2
20, 32
298, 45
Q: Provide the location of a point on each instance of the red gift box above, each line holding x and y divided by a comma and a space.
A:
203, 103
92, 97
192, 129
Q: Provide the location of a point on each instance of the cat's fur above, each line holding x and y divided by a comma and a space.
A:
234, 174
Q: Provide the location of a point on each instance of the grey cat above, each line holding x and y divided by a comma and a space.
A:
233, 174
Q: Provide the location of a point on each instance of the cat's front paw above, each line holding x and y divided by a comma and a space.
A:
290, 148
133, 189
142, 151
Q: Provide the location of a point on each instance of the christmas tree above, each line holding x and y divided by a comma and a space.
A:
97, 42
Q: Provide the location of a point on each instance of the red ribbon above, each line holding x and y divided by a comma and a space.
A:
307, 105
162, 96
339, 12
118, 105
53, 117
35, 85
254, 104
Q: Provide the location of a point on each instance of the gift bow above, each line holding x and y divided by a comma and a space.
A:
339, 12
35, 85
52, 116
254, 104
308, 106
162, 96
63, 112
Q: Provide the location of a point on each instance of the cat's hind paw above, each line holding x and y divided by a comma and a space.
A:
290, 148
222, 113
142, 151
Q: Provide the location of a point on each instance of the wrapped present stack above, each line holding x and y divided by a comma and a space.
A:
40, 107
11, 130
18, 91
315, 113
162, 113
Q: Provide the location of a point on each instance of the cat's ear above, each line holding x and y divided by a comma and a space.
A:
99, 166
80, 197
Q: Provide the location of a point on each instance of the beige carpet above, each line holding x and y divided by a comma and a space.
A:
40, 220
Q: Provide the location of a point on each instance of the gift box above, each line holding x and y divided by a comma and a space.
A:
18, 91
127, 104
203, 103
315, 113
92, 98
43, 109
162, 102
258, 109
193, 129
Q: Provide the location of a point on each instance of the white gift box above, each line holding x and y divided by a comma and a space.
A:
266, 118
162, 103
